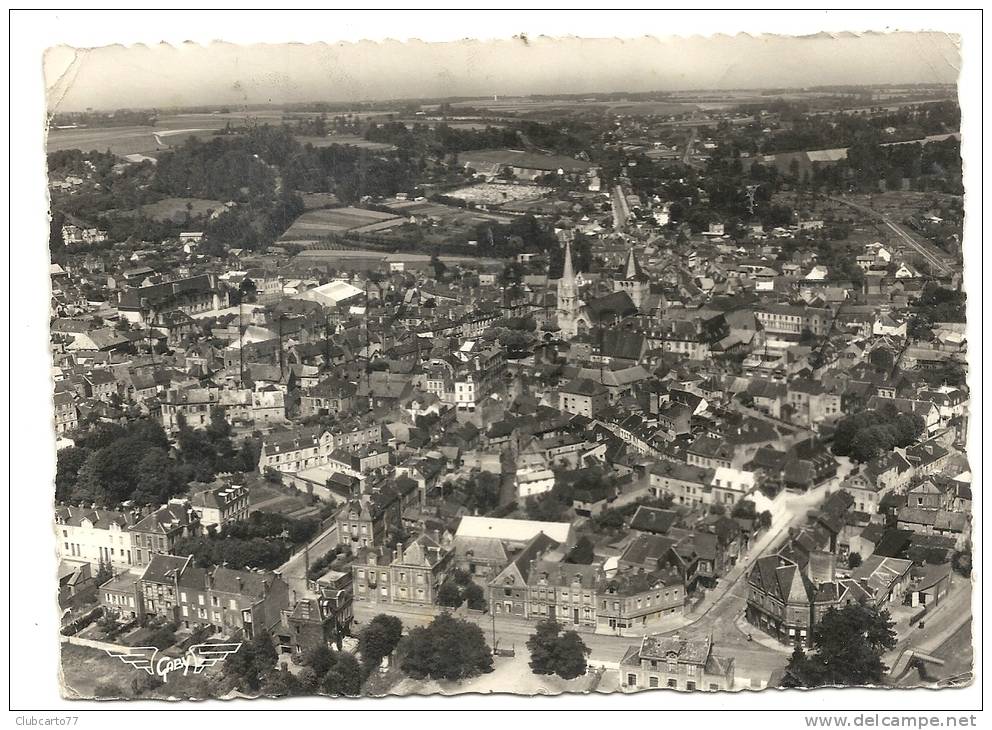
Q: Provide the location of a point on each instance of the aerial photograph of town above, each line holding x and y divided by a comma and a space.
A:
564, 392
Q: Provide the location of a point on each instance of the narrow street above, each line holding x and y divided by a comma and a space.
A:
294, 570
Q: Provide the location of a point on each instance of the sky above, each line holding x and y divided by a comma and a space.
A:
163, 75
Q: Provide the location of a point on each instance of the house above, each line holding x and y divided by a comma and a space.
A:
121, 596
536, 585
142, 305
94, 535
366, 520
928, 584
786, 599
887, 579
225, 600
159, 532
220, 506
686, 483
66, 413
675, 662
636, 599
583, 397
653, 521
409, 575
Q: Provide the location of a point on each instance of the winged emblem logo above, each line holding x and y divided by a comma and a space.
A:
197, 658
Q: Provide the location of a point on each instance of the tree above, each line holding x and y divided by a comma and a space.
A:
282, 683
448, 648
853, 560
570, 656
962, 562
541, 645
379, 639
554, 652
449, 594
70, 461
249, 666
104, 572
320, 659
849, 643
765, 520
582, 553
475, 596
345, 677
157, 478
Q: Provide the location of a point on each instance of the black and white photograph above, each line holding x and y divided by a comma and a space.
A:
634, 368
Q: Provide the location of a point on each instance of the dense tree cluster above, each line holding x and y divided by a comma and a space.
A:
849, 643
459, 588
447, 648
379, 639
265, 540
865, 435
554, 651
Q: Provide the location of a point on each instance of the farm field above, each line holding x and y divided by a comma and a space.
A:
168, 131
449, 214
351, 140
518, 105
318, 223
343, 256
175, 209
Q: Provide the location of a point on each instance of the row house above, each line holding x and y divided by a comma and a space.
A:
193, 295
361, 462
94, 535
786, 319
636, 598
191, 406
883, 475
811, 402
534, 586
328, 398
290, 451
223, 599
121, 596
409, 575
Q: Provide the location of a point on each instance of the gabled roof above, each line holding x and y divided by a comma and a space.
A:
653, 520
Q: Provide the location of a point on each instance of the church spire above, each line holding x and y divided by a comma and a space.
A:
632, 269
568, 274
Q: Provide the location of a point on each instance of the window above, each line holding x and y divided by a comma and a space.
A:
233, 605
182, 596
652, 681
199, 599
690, 686
673, 683
631, 680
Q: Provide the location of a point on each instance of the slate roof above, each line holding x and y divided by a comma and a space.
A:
653, 520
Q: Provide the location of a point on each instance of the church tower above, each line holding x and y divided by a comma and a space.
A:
634, 281
568, 297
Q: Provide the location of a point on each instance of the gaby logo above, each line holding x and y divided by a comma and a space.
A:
197, 658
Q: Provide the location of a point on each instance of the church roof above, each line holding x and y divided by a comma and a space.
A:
632, 268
